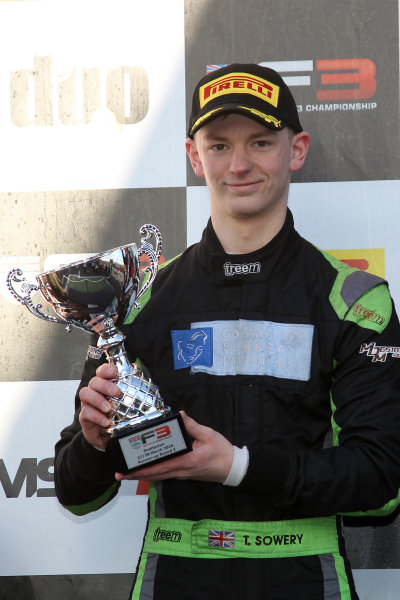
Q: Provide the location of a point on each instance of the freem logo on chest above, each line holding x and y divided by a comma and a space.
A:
231, 269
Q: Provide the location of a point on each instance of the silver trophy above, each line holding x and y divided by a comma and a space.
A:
95, 294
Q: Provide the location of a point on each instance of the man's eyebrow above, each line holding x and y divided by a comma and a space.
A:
260, 134
215, 136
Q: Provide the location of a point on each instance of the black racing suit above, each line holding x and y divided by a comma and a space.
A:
293, 354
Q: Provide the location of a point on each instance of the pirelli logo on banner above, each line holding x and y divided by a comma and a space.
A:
240, 83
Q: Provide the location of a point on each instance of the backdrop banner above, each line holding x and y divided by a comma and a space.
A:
94, 102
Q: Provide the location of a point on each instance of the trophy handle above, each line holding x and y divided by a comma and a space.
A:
153, 255
27, 289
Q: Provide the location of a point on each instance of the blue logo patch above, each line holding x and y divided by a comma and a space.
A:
192, 347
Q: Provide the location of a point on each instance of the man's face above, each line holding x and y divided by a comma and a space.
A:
246, 165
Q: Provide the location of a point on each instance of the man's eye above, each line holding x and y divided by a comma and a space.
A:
218, 147
261, 143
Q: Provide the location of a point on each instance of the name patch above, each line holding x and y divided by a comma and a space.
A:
245, 347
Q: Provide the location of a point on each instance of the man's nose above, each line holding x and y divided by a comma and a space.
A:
240, 161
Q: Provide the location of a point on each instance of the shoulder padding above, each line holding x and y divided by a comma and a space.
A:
356, 284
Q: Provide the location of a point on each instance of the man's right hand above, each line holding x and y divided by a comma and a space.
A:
96, 410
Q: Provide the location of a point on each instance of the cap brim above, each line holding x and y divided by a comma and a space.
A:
265, 119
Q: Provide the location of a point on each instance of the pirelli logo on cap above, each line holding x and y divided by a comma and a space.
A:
240, 83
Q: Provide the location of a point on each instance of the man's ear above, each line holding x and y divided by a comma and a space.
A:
193, 154
300, 145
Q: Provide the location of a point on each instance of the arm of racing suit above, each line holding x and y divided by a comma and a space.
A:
361, 471
84, 476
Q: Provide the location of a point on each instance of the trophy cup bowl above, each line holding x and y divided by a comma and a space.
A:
95, 294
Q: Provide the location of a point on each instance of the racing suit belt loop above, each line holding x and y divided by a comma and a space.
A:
233, 539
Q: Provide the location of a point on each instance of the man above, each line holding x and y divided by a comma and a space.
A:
289, 353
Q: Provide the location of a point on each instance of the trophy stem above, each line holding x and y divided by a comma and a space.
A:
141, 399
111, 340
117, 356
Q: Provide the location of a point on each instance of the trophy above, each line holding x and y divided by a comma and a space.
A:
96, 294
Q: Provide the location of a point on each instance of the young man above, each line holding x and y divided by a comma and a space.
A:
287, 356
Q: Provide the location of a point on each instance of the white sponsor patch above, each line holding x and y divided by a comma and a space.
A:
259, 348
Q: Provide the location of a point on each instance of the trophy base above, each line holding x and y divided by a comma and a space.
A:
150, 442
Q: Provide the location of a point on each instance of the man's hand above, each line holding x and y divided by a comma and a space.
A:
96, 409
210, 460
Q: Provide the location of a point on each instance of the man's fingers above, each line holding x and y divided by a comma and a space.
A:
90, 396
104, 387
89, 414
194, 429
96, 408
106, 370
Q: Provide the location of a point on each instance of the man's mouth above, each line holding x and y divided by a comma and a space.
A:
243, 185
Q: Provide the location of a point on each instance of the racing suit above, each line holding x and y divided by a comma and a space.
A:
286, 351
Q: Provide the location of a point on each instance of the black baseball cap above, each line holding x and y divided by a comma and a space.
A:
249, 89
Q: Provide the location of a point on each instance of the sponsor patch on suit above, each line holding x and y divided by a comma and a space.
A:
245, 347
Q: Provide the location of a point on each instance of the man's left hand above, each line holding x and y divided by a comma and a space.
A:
210, 459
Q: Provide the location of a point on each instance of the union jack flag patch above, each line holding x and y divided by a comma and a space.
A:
211, 68
221, 539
